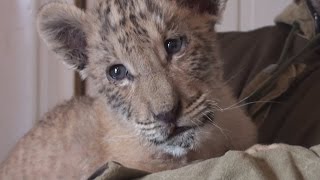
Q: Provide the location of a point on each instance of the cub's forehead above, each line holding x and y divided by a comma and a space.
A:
118, 14
132, 27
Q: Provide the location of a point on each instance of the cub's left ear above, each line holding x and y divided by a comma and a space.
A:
64, 28
213, 7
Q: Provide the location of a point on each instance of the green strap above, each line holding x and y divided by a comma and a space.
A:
283, 63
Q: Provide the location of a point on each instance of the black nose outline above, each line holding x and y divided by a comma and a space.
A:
169, 116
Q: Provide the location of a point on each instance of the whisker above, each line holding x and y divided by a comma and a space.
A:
237, 103
215, 105
233, 76
202, 130
244, 99
195, 123
218, 127
235, 106
212, 122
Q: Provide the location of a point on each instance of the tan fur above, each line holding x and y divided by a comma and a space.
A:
118, 123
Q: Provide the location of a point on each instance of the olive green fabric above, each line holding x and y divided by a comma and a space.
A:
292, 116
284, 162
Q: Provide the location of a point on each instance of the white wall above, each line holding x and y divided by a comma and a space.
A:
244, 15
31, 79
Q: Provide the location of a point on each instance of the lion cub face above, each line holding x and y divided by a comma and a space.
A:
154, 62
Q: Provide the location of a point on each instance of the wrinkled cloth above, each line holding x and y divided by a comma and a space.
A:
290, 112
284, 162
281, 85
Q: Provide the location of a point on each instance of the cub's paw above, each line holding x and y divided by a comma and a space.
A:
259, 147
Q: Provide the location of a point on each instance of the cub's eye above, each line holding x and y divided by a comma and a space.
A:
173, 46
118, 72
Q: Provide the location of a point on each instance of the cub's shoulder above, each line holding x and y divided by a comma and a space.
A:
69, 110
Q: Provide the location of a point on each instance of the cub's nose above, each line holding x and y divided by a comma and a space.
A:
169, 116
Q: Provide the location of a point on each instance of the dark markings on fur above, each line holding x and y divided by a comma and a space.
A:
102, 90
128, 50
187, 144
132, 6
99, 11
172, 23
181, 141
191, 111
145, 123
109, 89
137, 28
150, 129
124, 111
133, 20
114, 28
153, 8
142, 16
106, 23
157, 142
122, 40
122, 5
116, 100
123, 22
129, 111
192, 101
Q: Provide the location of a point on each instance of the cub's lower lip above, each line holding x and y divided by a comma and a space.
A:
179, 130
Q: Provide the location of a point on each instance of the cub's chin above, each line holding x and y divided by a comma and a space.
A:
207, 140
180, 142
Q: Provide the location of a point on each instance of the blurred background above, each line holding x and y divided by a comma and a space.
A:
32, 81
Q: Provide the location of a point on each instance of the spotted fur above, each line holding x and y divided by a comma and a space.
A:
121, 122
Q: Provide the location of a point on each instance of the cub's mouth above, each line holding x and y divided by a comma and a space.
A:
180, 130
205, 119
183, 139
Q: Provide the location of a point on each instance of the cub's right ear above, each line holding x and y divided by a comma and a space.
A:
64, 28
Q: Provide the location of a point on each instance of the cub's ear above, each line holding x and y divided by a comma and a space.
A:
63, 28
213, 7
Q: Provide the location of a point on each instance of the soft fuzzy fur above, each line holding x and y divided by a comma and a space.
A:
121, 123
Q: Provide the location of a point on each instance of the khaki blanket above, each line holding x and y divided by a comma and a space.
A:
285, 162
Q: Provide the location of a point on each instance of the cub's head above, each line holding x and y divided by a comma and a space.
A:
153, 61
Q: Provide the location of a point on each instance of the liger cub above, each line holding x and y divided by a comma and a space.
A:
158, 91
